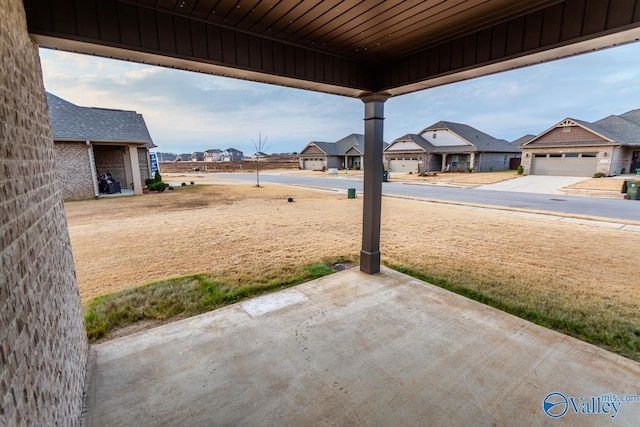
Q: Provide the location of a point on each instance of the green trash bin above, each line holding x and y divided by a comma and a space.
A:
385, 176
633, 190
351, 193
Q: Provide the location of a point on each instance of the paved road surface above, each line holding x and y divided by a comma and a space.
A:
576, 205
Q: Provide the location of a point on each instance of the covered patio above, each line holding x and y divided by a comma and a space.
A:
358, 347
362, 350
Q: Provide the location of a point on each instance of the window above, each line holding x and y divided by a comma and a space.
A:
566, 129
555, 155
589, 154
435, 135
570, 155
539, 155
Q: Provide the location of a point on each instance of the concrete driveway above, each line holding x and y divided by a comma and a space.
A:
355, 349
534, 184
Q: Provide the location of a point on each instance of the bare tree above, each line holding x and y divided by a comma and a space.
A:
260, 146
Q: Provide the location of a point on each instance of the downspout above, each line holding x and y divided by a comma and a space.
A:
94, 172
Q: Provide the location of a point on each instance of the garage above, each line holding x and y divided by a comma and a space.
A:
403, 165
313, 164
564, 164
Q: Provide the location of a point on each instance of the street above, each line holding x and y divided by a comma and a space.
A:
576, 205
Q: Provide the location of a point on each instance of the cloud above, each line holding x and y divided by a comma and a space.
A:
188, 111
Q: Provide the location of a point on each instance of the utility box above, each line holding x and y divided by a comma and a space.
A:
351, 193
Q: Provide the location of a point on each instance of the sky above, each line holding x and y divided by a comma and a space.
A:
187, 111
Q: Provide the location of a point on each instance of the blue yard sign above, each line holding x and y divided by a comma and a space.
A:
154, 163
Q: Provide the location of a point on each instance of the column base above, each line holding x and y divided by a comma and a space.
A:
370, 262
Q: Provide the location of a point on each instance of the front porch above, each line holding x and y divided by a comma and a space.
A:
351, 349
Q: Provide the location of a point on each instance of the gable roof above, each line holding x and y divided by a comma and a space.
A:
342, 146
71, 122
417, 139
481, 141
522, 140
632, 116
623, 129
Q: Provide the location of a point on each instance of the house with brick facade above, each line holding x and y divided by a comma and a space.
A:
92, 142
572, 147
449, 146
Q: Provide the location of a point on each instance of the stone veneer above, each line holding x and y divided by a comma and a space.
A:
43, 348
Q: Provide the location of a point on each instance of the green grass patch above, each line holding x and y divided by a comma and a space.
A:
187, 296
606, 329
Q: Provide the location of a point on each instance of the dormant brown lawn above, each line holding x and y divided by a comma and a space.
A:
244, 232
130, 241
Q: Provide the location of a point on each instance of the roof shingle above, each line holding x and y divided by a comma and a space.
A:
71, 122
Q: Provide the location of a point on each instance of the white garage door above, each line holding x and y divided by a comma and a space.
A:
404, 166
567, 164
313, 164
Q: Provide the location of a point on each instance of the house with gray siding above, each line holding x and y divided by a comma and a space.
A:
346, 153
449, 146
91, 142
231, 155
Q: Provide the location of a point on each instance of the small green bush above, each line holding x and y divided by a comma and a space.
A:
158, 186
520, 170
184, 184
153, 184
193, 183
599, 175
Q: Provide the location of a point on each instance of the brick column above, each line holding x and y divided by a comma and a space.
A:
43, 346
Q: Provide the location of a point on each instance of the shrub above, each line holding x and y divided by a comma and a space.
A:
193, 183
149, 181
520, 170
184, 184
157, 177
158, 186
469, 169
599, 175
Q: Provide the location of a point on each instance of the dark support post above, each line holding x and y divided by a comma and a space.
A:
373, 144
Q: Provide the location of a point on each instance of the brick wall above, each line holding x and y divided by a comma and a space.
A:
43, 349
74, 170
111, 159
143, 163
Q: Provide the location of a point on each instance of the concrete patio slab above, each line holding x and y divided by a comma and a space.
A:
355, 349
